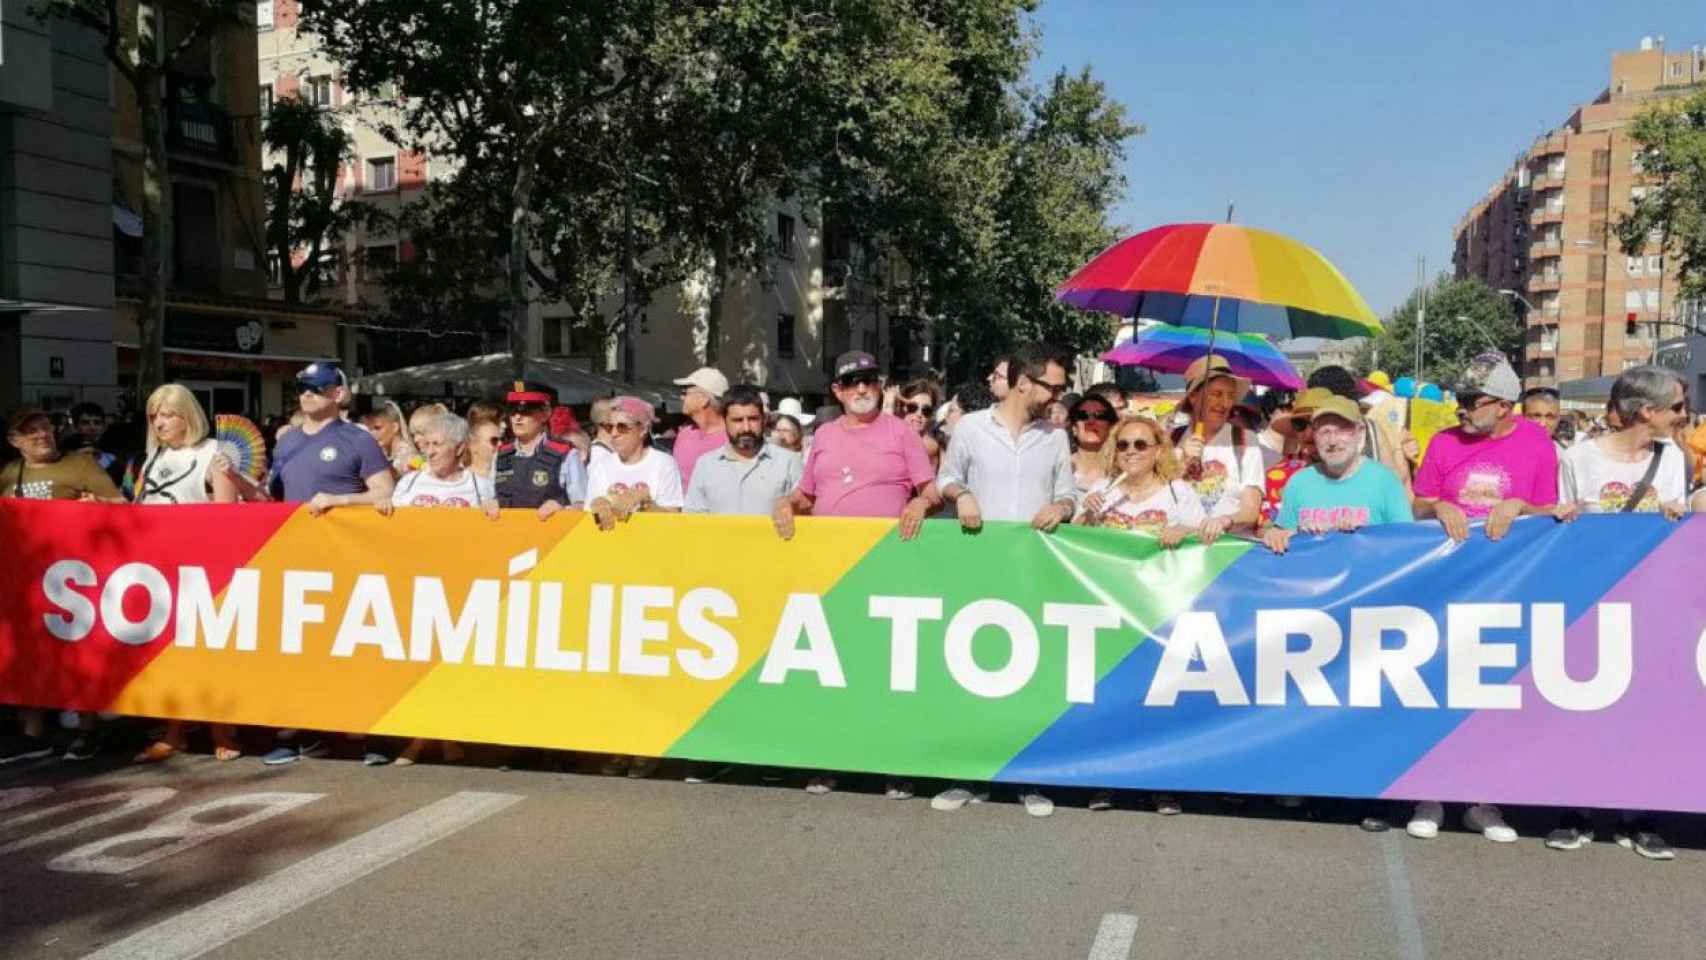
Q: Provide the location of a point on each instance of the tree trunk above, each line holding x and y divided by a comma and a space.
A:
156, 239
521, 200
719, 286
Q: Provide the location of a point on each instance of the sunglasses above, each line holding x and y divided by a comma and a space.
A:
1679, 406
1085, 416
1301, 422
922, 409
1472, 404
623, 427
1121, 446
302, 388
858, 380
1054, 389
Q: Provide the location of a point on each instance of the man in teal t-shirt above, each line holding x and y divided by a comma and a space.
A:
1344, 491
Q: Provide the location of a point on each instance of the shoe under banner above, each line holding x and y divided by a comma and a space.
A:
1561, 666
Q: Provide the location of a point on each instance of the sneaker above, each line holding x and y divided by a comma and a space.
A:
26, 748
818, 786
313, 750
1485, 819
1168, 805
1573, 833
1375, 823
898, 790
1640, 837
705, 772
285, 753
373, 758
954, 798
642, 767
1103, 800
1036, 804
81, 748
1424, 822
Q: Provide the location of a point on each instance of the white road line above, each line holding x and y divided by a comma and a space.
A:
1114, 937
213, 924
1404, 923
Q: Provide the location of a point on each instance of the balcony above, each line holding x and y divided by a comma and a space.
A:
1544, 282
1541, 249
198, 129
1547, 180
1547, 214
1547, 147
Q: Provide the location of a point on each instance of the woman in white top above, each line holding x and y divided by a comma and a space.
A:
1605, 474
1221, 460
1142, 492
635, 475
179, 469
1092, 418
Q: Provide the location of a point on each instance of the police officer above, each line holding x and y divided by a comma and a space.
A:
535, 470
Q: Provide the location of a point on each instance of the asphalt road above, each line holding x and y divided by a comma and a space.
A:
328, 859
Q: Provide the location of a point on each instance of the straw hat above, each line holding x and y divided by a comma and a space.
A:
1214, 367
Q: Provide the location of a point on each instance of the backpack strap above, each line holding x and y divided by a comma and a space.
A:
1641, 489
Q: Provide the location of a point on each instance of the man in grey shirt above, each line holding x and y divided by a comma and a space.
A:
1008, 462
744, 476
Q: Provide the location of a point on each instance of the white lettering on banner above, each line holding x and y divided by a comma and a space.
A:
141, 631
1401, 665
1196, 636
638, 629
1467, 654
369, 619
599, 607
722, 651
803, 615
1616, 658
429, 622
77, 612
1023, 648
904, 615
297, 610
1276, 661
518, 611
548, 652
238, 613
1082, 621
184, 828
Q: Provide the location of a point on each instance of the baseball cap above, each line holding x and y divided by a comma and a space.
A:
1333, 405
1489, 375
855, 361
528, 393
792, 407
708, 379
321, 375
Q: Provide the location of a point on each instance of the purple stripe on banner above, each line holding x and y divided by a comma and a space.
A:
1538, 755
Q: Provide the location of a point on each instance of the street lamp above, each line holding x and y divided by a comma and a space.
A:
1461, 318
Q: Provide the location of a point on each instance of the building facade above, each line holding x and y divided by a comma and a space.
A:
1545, 230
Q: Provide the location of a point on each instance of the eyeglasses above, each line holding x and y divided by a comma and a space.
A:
1121, 446
1054, 389
922, 409
302, 388
858, 380
1085, 416
1301, 422
1471, 404
1679, 406
622, 427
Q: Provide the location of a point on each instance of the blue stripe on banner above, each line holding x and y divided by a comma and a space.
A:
1199, 745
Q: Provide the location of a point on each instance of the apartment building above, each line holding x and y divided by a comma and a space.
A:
781, 328
1543, 230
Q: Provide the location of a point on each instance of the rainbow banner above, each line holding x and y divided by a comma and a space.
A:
1561, 666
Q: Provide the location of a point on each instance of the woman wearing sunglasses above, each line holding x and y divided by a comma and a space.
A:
1143, 492
916, 404
1091, 418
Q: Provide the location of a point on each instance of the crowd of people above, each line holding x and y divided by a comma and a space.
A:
1226, 461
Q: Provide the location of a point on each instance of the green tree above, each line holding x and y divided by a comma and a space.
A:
1671, 217
304, 211
144, 43
1464, 318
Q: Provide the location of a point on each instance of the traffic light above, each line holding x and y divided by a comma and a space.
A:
1630, 327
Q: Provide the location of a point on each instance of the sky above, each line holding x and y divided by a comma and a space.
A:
1363, 128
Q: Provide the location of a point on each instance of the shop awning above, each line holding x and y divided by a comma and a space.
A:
490, 376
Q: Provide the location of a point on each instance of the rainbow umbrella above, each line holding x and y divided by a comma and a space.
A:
1224, 277
1170, 349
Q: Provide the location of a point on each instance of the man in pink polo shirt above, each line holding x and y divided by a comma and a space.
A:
867, 463
702, 402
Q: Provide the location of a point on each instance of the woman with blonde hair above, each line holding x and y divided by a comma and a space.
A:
179, 469
1143, 491
385, 421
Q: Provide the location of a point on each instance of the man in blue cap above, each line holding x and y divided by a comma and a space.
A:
535, 471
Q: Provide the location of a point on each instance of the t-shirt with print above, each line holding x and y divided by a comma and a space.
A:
655, 473
1475, 473
868, 471
1603, 485
422, 489
1172, 504
1371, 495
337, 459
1224, 473
67, 478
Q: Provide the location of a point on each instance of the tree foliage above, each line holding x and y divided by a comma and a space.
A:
304, 210
1464, 318
1671, 141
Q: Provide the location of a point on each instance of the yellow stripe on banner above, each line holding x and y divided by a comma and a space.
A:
755, 569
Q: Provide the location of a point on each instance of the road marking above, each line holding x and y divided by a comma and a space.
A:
134, 800
18, 796
185, 828
1404, 923
1114, 937
219, 921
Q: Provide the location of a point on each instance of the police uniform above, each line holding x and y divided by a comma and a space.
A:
529, 481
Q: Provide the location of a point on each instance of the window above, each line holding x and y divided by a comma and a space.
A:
263, 14
1596, 268
785, 335
380, 261
266, 99
1655, 265
1676, 70
381, 174
1599, 199
785, 236
275, 271
1602, 163
1631, 299
330, 268
1596, 301
320, 91
1633, 266
552, 335
1651, 297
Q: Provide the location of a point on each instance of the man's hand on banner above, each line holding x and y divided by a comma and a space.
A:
1278, 539
1499, 520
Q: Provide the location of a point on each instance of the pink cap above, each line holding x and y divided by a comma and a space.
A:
634, 408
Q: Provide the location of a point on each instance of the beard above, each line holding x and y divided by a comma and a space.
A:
861, 405
1337, 460
746, 442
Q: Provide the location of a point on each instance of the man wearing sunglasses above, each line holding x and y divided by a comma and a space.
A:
1494, 465
865, 463
535, 472
329, 462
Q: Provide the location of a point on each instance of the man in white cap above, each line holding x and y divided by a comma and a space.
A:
702, 402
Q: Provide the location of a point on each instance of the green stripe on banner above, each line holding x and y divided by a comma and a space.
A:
943, 728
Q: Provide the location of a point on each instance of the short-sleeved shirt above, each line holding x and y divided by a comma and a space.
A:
866, 471
1011, 478
691, 443
1603, 485
654, 473
67, 478
1372, 494
1226, 471
420, 488
724, 482
338, 458
1475, 473
1173, 504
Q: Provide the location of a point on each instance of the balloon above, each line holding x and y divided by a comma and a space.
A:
1431, 391
1404, 387
1381, 380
